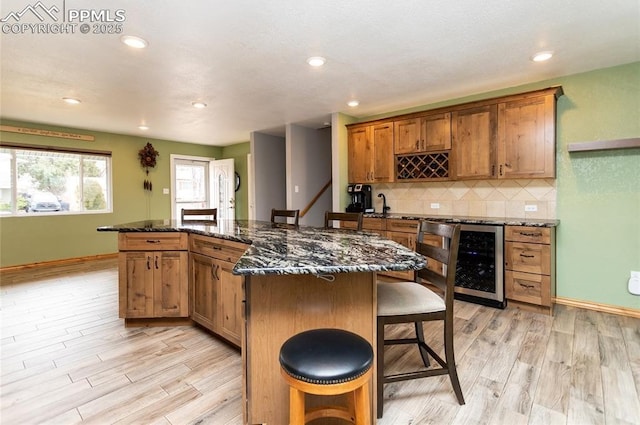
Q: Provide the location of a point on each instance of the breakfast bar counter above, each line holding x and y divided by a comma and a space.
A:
294, 280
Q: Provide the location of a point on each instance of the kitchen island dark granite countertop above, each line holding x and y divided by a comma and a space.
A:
500, 221
307, 250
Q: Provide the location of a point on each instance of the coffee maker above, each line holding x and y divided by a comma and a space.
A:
360, 198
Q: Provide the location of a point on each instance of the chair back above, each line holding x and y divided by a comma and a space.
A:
330, 217
280, 218
445, 252
202, 214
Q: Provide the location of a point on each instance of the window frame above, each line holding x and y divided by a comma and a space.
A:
13, 147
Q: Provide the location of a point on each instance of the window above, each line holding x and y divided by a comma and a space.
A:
35, 180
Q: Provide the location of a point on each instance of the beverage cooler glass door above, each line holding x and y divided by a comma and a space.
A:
480, 267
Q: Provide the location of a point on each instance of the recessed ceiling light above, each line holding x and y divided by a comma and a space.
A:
199, 105
143, 127
316, 61
71, 100
542, 56
353, 103
133, 41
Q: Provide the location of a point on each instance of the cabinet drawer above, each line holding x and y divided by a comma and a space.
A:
528, 287
527, 257
221, 249
528, 234
406, 226
152, 241
368, 223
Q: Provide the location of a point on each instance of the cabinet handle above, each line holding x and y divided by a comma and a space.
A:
532, 235
156, 262
213, 275
493, 170
527, 256
507, 165
417, 144
217, 269
501, 169
153, 241
148, 263
526, 286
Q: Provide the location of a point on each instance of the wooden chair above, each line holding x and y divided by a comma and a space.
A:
413, 302
327, 362
330, 217
200, 213
276, 215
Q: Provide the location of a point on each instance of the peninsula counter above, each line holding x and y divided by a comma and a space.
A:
294, 280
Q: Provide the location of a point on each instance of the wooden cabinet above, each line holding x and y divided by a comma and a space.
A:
474, 143
526, 138
422, 134
371, 153
509, 137
216, 292
405, 233
530, 266
153, 275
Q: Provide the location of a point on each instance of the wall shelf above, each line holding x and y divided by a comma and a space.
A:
603, 145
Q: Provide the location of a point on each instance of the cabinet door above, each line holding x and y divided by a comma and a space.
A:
170, 284
404, 239
436, 132
406, 136
230, 297
382, 151
360, 155
203, 291
136, 284
474, 142
526, 135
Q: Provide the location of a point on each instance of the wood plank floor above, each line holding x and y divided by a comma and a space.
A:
66, 358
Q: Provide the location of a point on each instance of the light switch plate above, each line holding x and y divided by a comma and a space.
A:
435, 205
165, 191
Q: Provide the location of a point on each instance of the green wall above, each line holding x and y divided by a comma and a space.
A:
33, 239
598, 193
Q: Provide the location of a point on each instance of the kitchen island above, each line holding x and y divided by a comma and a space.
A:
294, 280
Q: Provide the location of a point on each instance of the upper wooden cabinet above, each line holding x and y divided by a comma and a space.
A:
474, 143
371, 153
423, 134
526, 138
502, 138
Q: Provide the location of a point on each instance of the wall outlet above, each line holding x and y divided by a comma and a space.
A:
435, 205
296, 189
531, 208
634, 283
165, 191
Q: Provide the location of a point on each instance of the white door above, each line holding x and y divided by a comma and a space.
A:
223, 180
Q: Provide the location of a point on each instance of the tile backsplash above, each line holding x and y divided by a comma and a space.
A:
477, 198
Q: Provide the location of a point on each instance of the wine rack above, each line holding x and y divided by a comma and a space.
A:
428, 166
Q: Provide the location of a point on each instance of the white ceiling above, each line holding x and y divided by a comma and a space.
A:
247, 59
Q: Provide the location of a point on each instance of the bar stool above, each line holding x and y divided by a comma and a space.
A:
327, 362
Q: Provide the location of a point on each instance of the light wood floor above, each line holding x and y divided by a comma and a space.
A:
66, 358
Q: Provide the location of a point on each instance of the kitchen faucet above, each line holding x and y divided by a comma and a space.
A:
385, 208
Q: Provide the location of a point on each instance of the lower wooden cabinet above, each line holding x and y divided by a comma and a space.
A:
152, 283
217, 294
529, 263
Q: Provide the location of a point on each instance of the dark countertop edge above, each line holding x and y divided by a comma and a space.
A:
239, 239
321, 270
508, 221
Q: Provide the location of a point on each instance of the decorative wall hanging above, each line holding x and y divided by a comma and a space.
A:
147, 157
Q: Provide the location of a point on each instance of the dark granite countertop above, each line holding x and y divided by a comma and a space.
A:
307, 250
473, 220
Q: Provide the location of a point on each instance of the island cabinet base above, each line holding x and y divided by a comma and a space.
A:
279, 306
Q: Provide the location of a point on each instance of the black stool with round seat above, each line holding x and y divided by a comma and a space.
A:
327, 362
